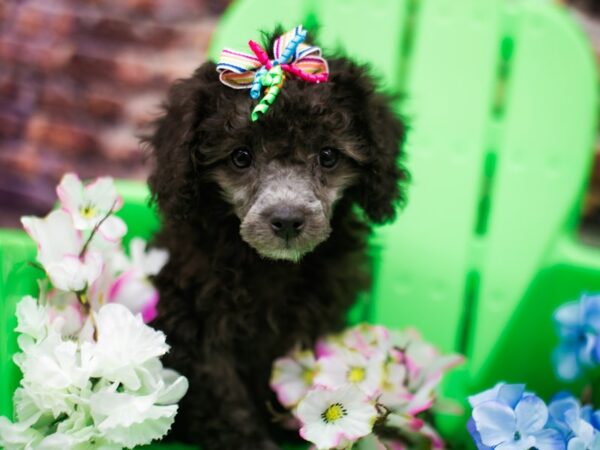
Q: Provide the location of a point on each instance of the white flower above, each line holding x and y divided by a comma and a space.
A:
54, 235
59, 248
148, 262
335, 418
124, 344
347, 366
65, 312
135, 291
128, 419
292, 377
125, 280
89, 205
423, 361
87, 395
73, 273
32, 318
52, 372
370, 340
18, 436
394, 393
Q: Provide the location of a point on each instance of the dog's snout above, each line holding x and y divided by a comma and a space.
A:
287, 223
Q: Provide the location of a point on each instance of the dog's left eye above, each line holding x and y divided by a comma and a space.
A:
241, 157
328, 157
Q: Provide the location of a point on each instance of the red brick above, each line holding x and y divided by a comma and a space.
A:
120, 144
9, 89
21, 158
53, 97
141, 6
142, 109
85, 67
102, 106
131, 71
60, 136
112, 29
30, 21
11, 126
43, 57
63, 23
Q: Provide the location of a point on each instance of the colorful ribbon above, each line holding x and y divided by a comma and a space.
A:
255, 72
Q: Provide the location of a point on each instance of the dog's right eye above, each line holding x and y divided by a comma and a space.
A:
241, 157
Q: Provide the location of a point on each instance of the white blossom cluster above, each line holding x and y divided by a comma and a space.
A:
92, 375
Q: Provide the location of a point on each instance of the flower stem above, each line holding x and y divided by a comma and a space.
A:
95, 230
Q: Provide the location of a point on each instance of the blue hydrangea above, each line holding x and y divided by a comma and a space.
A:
507, 417
578, 325
578, 425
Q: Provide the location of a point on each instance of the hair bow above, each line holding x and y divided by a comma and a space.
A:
255, 72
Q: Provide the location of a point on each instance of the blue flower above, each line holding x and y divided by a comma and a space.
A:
508, 418
577, 425
578, 325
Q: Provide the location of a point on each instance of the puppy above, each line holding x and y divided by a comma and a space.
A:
266, 223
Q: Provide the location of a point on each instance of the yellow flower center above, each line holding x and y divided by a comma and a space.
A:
334, 413
88, 212
356, 374
308, 376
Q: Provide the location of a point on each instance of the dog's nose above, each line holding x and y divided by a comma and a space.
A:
287, 224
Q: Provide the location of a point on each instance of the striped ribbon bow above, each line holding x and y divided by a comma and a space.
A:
255, 72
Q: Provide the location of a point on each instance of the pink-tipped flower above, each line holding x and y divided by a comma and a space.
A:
293, 376
91, 205
332, 419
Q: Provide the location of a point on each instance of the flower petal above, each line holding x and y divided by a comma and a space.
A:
591, 311
31, 318
103, 194
476, 436
70, 193
549, 440
113, 229
531, 413
566, 362
568, 319
576, 444
495, 422
54, 235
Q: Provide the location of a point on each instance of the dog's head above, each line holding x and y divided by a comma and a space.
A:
283, 174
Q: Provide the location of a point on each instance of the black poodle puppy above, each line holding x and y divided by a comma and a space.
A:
268, 248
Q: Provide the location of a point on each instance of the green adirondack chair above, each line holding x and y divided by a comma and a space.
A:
501, 98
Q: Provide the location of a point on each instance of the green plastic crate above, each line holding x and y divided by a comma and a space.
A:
501, 98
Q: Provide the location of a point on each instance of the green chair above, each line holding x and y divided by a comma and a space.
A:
501, 100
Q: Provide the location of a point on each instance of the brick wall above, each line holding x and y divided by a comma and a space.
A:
79, 79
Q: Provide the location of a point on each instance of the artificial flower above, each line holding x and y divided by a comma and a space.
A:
92, 377
351, 367
124, 343
398, 371
576, 424
507, 418
578, 325
332, 418
125, 280
59, 251
423, 361
128, 419
293, 376
91, 206
73, 396
369, 340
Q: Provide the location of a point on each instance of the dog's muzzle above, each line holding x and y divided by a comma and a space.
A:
287, 223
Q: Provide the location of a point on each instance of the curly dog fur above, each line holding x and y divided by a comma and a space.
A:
227, 311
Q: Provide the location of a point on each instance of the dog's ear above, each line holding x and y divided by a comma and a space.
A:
176, 137
381, 188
